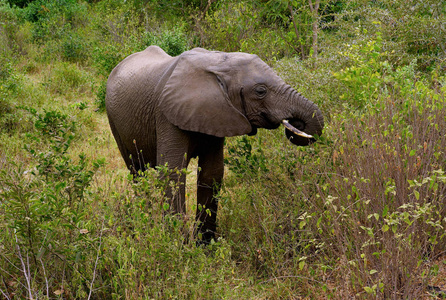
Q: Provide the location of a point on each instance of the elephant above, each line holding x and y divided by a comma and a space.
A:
167, 110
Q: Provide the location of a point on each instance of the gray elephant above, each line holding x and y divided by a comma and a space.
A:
165, 109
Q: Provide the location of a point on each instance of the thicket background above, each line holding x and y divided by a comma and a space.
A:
360, 214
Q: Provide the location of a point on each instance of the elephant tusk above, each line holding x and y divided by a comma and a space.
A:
295, 130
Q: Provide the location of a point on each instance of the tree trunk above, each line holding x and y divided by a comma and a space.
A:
315, 12
296, 31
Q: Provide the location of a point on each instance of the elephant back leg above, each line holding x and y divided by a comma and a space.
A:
125, 153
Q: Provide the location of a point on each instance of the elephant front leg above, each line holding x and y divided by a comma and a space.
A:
172, 160
210, 175
175, 190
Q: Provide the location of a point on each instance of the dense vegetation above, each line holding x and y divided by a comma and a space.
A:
360, 214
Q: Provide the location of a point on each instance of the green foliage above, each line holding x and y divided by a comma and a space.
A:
387, 192
244, 159
106, 59
100, 96
361, 212
73, 48
370, 75
173, 42
19, 3
66, 77
51, 18
236, 26
10, 86
365, 77
295, 18
416, 31
43, 214
12, 38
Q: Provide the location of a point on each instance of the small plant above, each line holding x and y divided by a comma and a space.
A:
45, 211
66, 77
101, 92
389, 213
106, 58
73, 48
173, 42
243, 159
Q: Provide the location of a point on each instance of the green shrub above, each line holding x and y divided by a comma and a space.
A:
382, 202
107, 58
173, 42
243, 159
45, 220
10, 86
227, 27
100, 95
12, 36
74, 49
19, 3
51, 18
67, 77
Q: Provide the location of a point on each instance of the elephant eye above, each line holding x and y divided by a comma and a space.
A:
260, 91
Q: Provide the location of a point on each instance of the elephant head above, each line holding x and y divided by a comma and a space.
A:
229, 94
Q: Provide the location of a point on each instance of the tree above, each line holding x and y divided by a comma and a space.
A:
300, 19
315, 20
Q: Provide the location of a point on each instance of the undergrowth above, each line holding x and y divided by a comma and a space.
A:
359, 214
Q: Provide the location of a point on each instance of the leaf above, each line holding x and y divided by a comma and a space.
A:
394, 228
417, 194
58, 292
385, 210
368, 289
373, 272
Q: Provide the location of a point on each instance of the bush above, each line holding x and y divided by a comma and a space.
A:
380, 208
67, 77
13, 38
100, 96
51, 18
236, 26
44, 216
358, 214
74, 49
107, 58
10, 87
173, 42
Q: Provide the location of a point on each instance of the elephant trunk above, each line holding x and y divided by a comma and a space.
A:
305, 122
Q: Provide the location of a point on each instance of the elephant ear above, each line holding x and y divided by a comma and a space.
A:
195, 97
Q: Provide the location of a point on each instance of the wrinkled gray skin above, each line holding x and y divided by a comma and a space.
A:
165, 109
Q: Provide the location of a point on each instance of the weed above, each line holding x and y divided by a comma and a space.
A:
244, 159
173, 42
67, 76
44, 211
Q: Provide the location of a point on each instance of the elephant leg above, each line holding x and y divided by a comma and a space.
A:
210, 175
176, 189
174, 152
125, 153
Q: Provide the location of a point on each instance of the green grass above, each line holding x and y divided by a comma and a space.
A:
360, 213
